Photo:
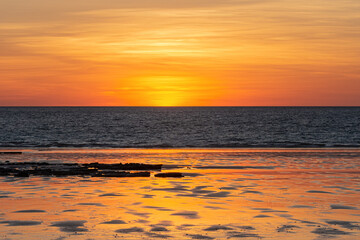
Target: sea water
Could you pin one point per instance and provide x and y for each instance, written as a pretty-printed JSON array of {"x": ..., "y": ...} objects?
[{"x": 182, "y": 127}]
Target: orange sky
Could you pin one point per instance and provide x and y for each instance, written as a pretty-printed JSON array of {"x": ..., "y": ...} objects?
[{"x": 179, "y": 53}]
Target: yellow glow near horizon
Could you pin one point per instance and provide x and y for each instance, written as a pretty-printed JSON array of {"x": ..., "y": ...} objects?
[
  {"x": 167, "y": 99},
  {"x": 166, "y": 90},
  {"x": 160, "y": 90}
]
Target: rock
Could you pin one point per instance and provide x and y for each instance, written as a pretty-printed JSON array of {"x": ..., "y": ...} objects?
[
  {"x": 10, "y": 152},
  {"x": 122, "y": 174},
  {"x": 126, "y": 166},
  {"x": 25, "y": 169},
  {"x": 170, "y": 174},
  {"x": 22, "y": 174},
  {"x": 4, "y": 172}
]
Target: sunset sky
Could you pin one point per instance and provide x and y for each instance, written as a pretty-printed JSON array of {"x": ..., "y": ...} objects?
[{"x": 179, "y": 53}]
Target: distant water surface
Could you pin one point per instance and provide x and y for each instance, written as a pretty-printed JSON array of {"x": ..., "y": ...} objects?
[{"x": 180, "y": 127}]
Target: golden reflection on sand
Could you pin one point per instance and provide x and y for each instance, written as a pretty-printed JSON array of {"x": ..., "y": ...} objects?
[{"x": 227, "y": 193}]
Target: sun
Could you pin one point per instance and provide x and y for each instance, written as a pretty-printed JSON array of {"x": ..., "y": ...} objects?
[
  {"x": 164, "y": 91},
  {"x": 167, "y": 90},
  {"x": 167, "y": 99}
]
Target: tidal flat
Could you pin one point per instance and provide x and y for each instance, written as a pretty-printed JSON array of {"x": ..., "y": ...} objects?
[{"x": 224, "y": 194}]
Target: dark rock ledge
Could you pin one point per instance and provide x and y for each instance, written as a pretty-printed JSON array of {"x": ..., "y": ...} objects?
[{"x": 26, "y": 169}]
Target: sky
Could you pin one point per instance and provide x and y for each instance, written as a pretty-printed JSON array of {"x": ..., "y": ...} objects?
[{"x": 180, "y": 53}]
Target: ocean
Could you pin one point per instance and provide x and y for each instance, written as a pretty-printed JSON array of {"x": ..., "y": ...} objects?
[{"x": 179, "y": 127}]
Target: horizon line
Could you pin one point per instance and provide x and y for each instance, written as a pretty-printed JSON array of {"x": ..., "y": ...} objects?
[{"x": 94, "y": 106}]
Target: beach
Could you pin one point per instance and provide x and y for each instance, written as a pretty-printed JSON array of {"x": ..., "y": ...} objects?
[{"x": 224, "y": 194}]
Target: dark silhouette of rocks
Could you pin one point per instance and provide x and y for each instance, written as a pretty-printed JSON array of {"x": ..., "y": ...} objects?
[
  {"x": 126, "y": 166},
  {"x": 170, "y": 174},
  {"x": 26, "y": 169},
  {"x": 22, "y": 174},
  {"x": 123, "y": 174},
  {"x": 10, "y": 152}
]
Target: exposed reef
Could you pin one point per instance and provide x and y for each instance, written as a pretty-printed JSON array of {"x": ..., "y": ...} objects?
[
  {"x": 10, "y": 152},
  {"x": 170, "y": 174},
  {"x": 26, "y": 169}
]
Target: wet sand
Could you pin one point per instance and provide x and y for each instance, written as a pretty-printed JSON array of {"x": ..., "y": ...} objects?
[{"x": 225, "y": 194}]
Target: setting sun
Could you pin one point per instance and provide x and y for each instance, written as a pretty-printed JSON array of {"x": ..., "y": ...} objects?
[{"x": 165, "y": 90}]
